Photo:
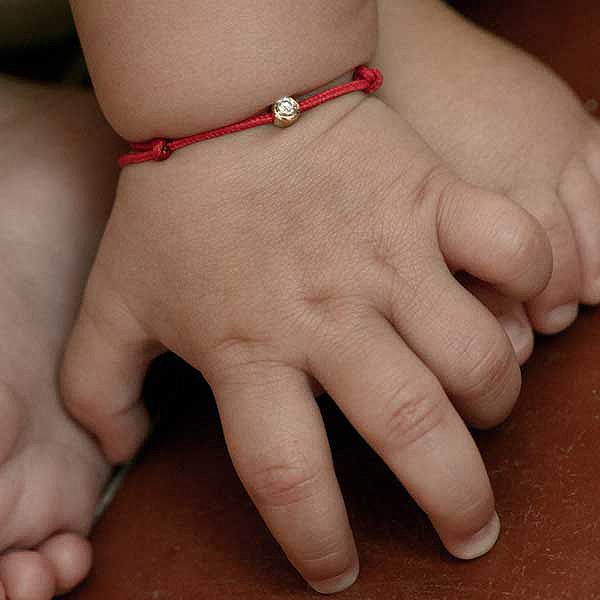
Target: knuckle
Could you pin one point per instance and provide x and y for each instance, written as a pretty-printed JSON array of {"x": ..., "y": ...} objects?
[
  {"x": 325, "y": 561},
  {"x": 526, "y": 254},
  {"x": 283, "y": 484},
  {"x": 412, "y": 411},
  {"x": 486, "y": 366},
  {"x": 328, "y": 311},
  {"x": 436, "y": 186},
  {"x": 237, "y": 359},
  {"x": 327, "y": 336},
  {"x": 476, "y": 508},
  {"x": 523, "y": 244},
  {"x": 470, "y": 512}
]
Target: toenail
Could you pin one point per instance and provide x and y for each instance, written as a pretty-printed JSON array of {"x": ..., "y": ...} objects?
[
  {"x": 480, "y": 543},
  {"x": 560, "y": 318},
  {"x": 517, "y": 334}
]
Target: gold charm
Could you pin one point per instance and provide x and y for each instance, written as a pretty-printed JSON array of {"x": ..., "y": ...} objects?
[{"x": 286, "y": 111}]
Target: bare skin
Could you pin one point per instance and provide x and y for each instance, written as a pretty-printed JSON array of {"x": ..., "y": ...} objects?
[
  {"x": 175, "y": 67},
  {"x": 272, "y": 260},
  {"x": 55, "y": 194},
  {"x": 505, "y": 122},
  {"x": 250, "y": 363},
  {"x": 263, "y": 275},
  {"x": 53, "y": 208}
]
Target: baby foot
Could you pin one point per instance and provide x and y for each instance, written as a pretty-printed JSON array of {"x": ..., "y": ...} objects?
[
  {"x": 54, "y": 200},
  {"x": 505, "y": 122}
]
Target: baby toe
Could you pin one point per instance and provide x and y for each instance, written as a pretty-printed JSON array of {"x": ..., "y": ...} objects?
[
  {"x": 70, "y": 556},
  {"x": 555, "y": 308},
  {"x": 579, "y": 191},
  {"x": 27, "y": 575},
  {"x": 510, "y": 314}
]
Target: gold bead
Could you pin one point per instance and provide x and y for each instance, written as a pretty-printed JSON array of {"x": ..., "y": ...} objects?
[{"x": 286, "y": 111}]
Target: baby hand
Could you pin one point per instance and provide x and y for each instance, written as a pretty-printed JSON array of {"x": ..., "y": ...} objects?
[{"x": 270, "y": 258}]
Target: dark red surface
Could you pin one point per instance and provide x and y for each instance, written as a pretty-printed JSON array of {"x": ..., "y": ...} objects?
[{"x": 182, "y": 527}]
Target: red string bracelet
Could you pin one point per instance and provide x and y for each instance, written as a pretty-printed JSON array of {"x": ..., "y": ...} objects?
[{"x": 284, "y": 112}]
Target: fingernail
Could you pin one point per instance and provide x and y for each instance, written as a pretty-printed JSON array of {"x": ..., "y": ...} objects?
[
  {"x": 560, "y": 318},
  {"x": 517, "y": 334},
  {"x": 480, "y": 543},
  {"x": 337, "y": 584}
]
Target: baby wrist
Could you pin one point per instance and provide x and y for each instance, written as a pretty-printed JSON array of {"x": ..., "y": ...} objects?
[{"x": 220, "y": 72}]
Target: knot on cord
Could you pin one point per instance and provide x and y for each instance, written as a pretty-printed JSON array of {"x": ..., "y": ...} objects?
[
  {"x": 372, "y": 76},
  {"x": 160, "y": 150}
]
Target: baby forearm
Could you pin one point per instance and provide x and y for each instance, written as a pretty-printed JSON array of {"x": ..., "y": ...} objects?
[{"x": 175, "y": 67}]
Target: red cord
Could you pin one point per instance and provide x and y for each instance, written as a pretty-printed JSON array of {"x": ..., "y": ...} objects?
[{"x": 365, "y": 80}]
